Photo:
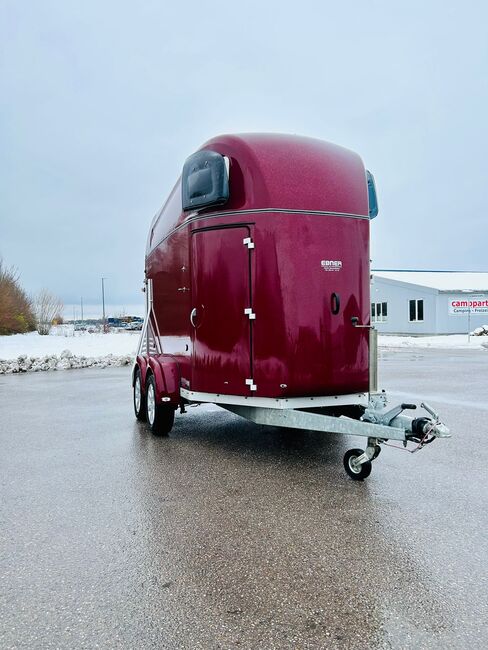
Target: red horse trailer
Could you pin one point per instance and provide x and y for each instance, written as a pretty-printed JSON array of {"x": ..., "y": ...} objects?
[{"x": 257, "y": 285}]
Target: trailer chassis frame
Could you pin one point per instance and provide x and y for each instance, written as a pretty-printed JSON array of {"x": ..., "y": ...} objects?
[{"x": 378, "y": 424}]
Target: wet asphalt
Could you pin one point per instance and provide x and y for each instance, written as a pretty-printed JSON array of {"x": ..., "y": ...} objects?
[{"x": 233, "y": 535}]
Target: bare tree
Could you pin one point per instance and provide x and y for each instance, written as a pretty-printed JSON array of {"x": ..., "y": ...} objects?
[{"x": 46, "y": 306}]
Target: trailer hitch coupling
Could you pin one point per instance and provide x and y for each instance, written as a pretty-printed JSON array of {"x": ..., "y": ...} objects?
[
  {"x": 439, "y": 430},
  {"x": 378, "y": 413}
]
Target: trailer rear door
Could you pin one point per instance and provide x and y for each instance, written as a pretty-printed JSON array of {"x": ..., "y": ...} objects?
[
  {"x": 312, "y": 292},
  {"x": 221, "y": 294}
]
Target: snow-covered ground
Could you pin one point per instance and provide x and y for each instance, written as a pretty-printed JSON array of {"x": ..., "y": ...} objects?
[
  {"x": 448, "y": 341},
  {"x": 58, "y": 352},
  {"x": 83, "y": 344},
  {"x": 32, "y": 352}
]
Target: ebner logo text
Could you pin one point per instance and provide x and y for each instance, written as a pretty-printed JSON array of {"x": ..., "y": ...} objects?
[{"x": 331, "y": 265}]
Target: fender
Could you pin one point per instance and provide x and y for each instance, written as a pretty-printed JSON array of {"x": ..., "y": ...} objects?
[
  {"x": 141, "y": 363},
  {"x": 167, "y": 376}
]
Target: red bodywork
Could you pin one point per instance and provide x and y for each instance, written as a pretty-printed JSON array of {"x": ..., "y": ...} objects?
[{"x": 304, "y": 205}]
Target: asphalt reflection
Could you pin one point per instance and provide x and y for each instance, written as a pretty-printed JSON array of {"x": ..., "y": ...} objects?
[{"x": 229, "y": 534}]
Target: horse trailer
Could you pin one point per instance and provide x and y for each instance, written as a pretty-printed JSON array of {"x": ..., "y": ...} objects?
[{"x": 257, "y": 282}]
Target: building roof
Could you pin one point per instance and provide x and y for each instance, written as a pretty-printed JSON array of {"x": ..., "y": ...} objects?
[{"x": 440, "y": 280}]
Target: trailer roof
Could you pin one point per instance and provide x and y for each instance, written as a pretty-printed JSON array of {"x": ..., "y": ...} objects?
[{"x": 292, "y": 172}]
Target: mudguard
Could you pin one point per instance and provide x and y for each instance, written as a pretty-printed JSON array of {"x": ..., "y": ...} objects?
[
  {"x": 141, "y": 363},
  {"x": 167, "y": 376}
]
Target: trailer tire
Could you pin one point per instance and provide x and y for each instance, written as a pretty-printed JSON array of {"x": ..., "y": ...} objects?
[
  {"x": 160, "y": 417},
  {"x": 139, "y": 399},
  {"x": 360, "y": 473}
]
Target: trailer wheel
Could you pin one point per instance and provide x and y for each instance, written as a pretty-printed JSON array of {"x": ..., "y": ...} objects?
[
  {"x": 357, "y": 473},
  {"x": 160, "y": 417},
  {"x": 139, "y": 397}
]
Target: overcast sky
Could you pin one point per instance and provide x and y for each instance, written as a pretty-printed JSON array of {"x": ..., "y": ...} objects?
[{"x": 102, "y": 101}]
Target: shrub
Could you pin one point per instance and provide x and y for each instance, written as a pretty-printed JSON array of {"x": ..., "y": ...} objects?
[{"x": 16, "y": 313}]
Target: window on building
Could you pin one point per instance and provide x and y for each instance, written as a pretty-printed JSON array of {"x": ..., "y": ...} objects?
[
  {"x": 416, "y": 310},
  {"x": 379, "y": 312}
]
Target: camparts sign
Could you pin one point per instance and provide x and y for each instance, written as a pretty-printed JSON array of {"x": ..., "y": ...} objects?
[{"x": 464, "y": 305}]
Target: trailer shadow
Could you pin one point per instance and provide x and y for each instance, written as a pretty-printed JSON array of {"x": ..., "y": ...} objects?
[{"x": 223, "y": 430}]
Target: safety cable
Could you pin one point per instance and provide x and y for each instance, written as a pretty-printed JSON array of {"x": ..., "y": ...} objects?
[{"x": 422, "y": 442}]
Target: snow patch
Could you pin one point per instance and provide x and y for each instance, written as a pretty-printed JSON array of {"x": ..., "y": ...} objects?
[
  {"x": 79, "y": 343},
  {"x": 480, "y": 331},
  {"x": 65, "y": 361},
  {"x": 447, "y": 342},
  {"x": 33, "y": 353}
]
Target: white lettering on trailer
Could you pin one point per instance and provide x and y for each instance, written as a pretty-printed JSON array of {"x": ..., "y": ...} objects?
[{"x": 331, "y": 265}]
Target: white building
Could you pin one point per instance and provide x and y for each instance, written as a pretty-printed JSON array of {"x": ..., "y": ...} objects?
[{"x": 428, "y": 302}]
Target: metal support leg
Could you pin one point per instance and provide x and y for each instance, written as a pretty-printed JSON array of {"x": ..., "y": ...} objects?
[{"x": 370, "y": 453}]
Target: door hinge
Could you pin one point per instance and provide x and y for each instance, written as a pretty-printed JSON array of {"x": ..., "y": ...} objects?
[
  {"x": 251, "y": 384},
  {"x": 248, "y": 242},
  {"x": 249, "y": 312}
]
